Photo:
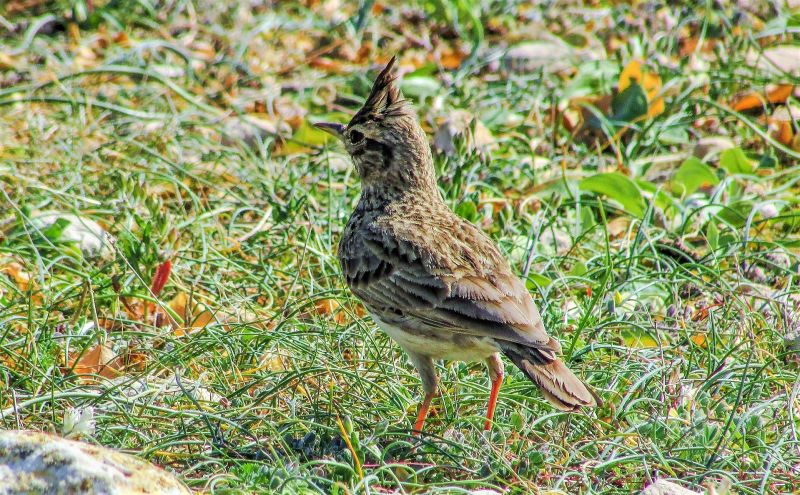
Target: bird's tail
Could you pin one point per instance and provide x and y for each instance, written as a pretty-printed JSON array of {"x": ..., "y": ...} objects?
[{"x": 558, "y": 384}]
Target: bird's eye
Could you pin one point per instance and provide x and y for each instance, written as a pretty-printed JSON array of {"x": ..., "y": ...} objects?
[{"x": 356, "y": 137}]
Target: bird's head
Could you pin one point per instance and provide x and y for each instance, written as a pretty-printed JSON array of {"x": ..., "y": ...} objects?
[{"x": 385, "y": 140}]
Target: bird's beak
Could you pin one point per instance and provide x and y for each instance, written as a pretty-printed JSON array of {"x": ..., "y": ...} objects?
[{"x": 332, "y": 128}]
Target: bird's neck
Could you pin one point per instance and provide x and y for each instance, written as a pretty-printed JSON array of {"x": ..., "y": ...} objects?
[
  {"x": 382, "y": 196},
  {"x": 409, "y": 177}
]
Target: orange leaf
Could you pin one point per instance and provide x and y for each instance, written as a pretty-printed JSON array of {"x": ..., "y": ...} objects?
[
  {"x": 195, "y": 316},
  {"x": 99, "y": 360},
  {"x": 632, "y": 72},
  {"x": 780, "y": 94},
  {"x": 784, "y": 133},
  {"x": 750, "y": 101},
  {"x": 326, "y": 64},
  {"x": 451, "y": 59},
  {"x": 651, "y": 83},
  {"x": 330, "y": 307},
  {"x": 699, "y": 339},
  {"x": 754, "y": 100},
  {"x": 18, "y": 275}
]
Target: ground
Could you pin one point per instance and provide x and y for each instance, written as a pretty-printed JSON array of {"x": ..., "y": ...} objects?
[{"x": 638, "y": 165}]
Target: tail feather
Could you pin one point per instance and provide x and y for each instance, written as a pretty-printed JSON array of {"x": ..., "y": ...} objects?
[{"x": 558, "y": 384}]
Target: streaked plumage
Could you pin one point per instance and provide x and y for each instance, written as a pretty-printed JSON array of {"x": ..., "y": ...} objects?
[{"x": 433, "y": 281}]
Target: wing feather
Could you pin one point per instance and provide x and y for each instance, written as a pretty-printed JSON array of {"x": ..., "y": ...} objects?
[{"x": 394, "y": 276}]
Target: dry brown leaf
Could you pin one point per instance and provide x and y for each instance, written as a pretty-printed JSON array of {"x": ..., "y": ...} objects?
[
  {"x": 631, "y": 72},
  {"x": 330, "y": 308},
  {"x": 326, "y": 64},
  {"x": 618, "y": 226},
  {"x": 18, "y": 274},
  {"x": 755, "y": 101},
  {"x": 451, "y": 59},
  {"x": 99, "y": 360},
  {"x": 195, "y": 316}
]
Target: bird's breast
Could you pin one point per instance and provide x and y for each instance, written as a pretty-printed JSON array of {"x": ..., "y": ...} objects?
[{"x": 440, "y": 344}]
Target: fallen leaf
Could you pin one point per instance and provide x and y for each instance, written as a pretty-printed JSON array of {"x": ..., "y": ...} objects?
[
  {"x": 754, "y": 100},
  {"x": 699, "y": 339},
  {"x": 195, "y": 316},
  {"x": 618, "y": 226},
  {"x": 451, "y": 59},
  {"x": 784, "y": 134},
  {"x": 330, "y": 308},
  {"x": 638, "y": 339},
  {"x": 99, "y": 360},
  {"x": 652, "y": 87},
  {"x": 631, "y": 73},
  {"x": 18, "y": 274}
]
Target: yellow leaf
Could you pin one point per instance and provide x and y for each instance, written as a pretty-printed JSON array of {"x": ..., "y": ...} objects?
[
  {"x": 195, "y": 316},
  {"x": 638, "y": 339},
  {"x": 651, "y": 83},
  {"x": 632, "y": 71},
  {"x": 99, "y": 360},
  {"x": 699, "y": 339},
  {"x": 330, "y": 307},
  {"x": 18, "y": 275}
]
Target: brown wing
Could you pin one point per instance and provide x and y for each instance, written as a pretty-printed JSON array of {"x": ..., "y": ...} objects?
[{"x": 456, "y": 293}]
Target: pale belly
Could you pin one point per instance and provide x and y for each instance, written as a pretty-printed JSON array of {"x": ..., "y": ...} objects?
[{"x": 449, "y": 346}]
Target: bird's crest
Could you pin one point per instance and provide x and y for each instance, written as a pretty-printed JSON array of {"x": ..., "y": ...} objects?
[{"x": 384, "y": 99}]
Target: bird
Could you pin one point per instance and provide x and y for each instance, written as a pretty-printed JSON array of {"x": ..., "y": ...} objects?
[{"x": 434, "y": 282}]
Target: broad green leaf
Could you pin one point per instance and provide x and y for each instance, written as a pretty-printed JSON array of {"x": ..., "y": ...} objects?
[
  {"x": 617, "y": 187},
  {"x": 578, "y": 269},
  {"x": 735, "y": 214},
  {"x": 660, "y": 198},
  {"x": 691, "y": 176},
  {"x": 637, "y": 338},
  {"x": 593, "y": 78},
  {"x": 537, "y": 279},
  {"x": 54, "y": 230},
  {"x": 712, "y": 235},
  {"x": 419, "y": 86},
  {"x": 467, "y": 210},
  {"x": 630, "y": 104},
  {"x": 736, "y": 162}
]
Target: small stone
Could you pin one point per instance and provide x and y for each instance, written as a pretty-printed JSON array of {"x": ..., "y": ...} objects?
[
  {"x": 35, "y": 462},
  {"x": 663, "y": 487},
  {"x": 88, "y": 235}
]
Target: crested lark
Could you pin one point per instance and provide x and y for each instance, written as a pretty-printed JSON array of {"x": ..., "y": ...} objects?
[{"x": 431, "y": 280}]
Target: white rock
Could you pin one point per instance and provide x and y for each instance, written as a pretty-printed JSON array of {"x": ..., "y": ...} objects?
[
  {"x": 87, "y": 234},
  {"x": 35, "y": 462},
  {"x": 663, "y": 487}
]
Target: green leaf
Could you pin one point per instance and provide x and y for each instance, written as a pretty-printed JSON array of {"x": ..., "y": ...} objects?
[
  {"x": 736, "y": 162},
  {"x": 593, "y": 78},
  {"x": 419, "y": 86},
  {"x": 578, "y": 270},
  {"x": 617, "y": 187},
  {"x": 637, "y": 338},
  {"x": 735, "y": 214},
  {"x": 54, "y": 230},
  {"x": 537, "y": 280},
  {"x": 712, "y": 235},
  {"x": 691, "y": 176},
  {"x": 630, "y": 104},
  {"x": 467, "y": 210}
]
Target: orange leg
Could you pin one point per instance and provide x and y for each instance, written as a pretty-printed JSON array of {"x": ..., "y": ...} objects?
[
  {"x": 495, "y": 365},
  {"x": 423, "y": 413},
  {"x": 492, "y": 402}
]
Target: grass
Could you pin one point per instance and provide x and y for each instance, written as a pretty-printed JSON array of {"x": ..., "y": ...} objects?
[{"x": 682, "y": 317}]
